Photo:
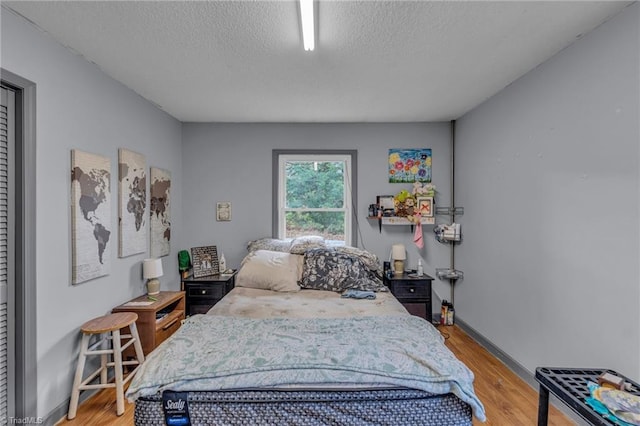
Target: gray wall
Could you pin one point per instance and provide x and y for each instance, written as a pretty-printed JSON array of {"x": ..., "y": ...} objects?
[
  {"x": 79, "y": 107},
  {"x": 232, "y": 162},
  {"x": 548, "y": 171}
]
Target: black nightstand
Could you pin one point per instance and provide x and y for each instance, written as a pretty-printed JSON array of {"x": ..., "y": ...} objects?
[
  {"x": 413, "y": 292},
  {"x": 204, "y": 292}
]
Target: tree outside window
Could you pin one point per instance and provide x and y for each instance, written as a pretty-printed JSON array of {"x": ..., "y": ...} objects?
[{"x": 315, "y": 197}]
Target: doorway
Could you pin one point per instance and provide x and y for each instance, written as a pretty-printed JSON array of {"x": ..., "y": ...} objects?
[{"x": 18, "y": 362}]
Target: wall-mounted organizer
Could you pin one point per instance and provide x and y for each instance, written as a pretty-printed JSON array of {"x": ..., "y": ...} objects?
[
  {"x": 451, "y": 211},
  {"x": 449, "y": 274},
  {"x": 449, "y": 234}
]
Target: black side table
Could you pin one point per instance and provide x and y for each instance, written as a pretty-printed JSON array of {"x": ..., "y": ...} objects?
[
  {"x": 569, "y": 385},
  {"x": 413, "y": 292},
  {"x": 204, "y": 292}
]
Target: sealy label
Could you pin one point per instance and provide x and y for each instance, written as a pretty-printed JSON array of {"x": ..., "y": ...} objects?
[
  {"x": 175, "y": 405},
  {"x": 176, "y": 408}
]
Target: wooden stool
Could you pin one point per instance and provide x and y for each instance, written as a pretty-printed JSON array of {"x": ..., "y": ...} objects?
[{"x": 108, "y": 327}]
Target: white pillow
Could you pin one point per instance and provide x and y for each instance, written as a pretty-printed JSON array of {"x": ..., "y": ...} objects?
[{"x": 271, "y": 270}]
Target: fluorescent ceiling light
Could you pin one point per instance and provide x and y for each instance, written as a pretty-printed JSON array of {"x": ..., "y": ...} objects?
[{"x": 308, "y": 30}]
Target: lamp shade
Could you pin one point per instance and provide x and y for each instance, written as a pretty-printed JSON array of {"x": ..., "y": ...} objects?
[
  {"x": 151, "y": 268},
  {"x": 398, "y": 252}
]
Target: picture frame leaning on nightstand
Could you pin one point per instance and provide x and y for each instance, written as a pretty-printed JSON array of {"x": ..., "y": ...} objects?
[{"x": 205, "y": 261}]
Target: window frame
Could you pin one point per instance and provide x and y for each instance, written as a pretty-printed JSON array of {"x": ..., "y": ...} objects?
[{"x": 350, "y": 156}]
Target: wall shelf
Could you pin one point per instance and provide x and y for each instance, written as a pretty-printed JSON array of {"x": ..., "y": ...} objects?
[
  {"x": 443, "y": 241},
  {"x": 394, "y": 220},
  {"x": 397, "y": 220}
]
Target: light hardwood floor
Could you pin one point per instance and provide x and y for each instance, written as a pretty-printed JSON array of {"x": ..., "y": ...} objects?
[{"x": 507, "y": 399}]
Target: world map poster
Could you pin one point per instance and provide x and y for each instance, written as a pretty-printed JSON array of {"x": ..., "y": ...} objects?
[
  {"x": 160, "y": 224},
  {"x": 90, "y": 216},
  {"x": 132, "y": 206}
]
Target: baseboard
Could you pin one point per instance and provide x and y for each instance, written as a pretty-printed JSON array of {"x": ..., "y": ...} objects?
[
  {"x": 60, "y": 412},
  {"x": 517, "y": 368}
]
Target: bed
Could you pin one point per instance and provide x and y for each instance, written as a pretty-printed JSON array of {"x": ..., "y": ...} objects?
[{"x": 278, "y": 350}]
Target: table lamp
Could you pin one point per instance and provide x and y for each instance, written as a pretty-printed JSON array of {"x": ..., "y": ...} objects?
[
  {"x": 398, "y": 254},
  {"x": 151, "y": 270}
]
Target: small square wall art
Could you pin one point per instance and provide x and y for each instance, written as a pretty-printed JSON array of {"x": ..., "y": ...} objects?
[{"x": 409, "y": 165}]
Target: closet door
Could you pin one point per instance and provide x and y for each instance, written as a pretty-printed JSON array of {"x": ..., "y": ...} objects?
[{"x": 7, "y": 136}]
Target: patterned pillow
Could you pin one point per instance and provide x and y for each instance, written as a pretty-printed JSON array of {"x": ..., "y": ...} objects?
[
  {"x": 329, "y": 269},
  {"x": 370, "y": 260},
  {"x": 301, "y": 244},
  {"x": 270, "y": 244}
]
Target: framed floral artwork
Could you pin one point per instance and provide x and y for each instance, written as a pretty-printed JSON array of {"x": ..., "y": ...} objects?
[
  {"x": 425, "y": 206},
  {"x": 409, "y": 165}
]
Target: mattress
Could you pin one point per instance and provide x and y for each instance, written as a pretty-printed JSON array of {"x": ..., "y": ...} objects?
[
  {"x": 404, "y": 407},
  {"x": 372, "y": 354},
  {"x": 256, "y": 303}
]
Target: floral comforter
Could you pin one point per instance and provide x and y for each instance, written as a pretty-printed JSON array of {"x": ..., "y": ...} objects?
[{"x": 212, "y": 352}]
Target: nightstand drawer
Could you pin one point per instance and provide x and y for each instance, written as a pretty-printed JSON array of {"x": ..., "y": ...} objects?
[
  {"x": 410, "y": 290},
  {"x": 167, "y": 330},
  {"x": 214, "y": 291}
]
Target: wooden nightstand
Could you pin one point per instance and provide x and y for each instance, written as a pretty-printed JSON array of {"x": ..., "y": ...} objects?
[
  {"x": 413, "y": 292},
  {"x": 156, "y": 320},
  {"x": 204, "y": 292}
]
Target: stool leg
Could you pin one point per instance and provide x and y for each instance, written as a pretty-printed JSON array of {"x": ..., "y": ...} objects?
[
  {"x": 103, "y": 360},
  {"x": 136, "y": 343},
  {"x": 117, "y": 360},
  {"x": 75, "y": 391}
]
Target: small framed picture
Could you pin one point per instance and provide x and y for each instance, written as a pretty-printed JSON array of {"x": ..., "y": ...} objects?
[
  {"x": 223, "y": 211},
  {"x": 385, "y": 202},
  {"x": 425, "y": 206},
  {"x": 205, "y": 261}
]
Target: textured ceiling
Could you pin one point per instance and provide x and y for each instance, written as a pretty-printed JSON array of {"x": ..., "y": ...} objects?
[{"x": 375, "y": 61}]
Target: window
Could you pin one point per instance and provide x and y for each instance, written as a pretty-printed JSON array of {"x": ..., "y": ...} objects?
[{"x": 315, "y": 196}]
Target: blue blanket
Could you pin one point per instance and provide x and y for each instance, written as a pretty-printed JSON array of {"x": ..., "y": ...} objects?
[
  {"x": 358, "y": 294},
  {"x": 212, "y": 352}
]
